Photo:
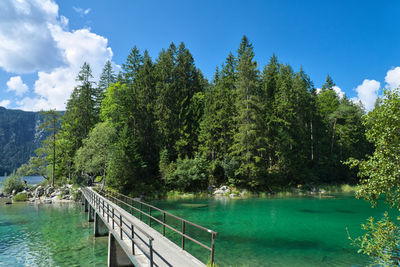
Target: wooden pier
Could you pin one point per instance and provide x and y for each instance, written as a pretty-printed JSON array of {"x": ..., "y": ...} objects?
[{"x": 133, "y": 242}]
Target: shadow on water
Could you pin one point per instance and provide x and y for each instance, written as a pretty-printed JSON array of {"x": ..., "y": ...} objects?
[
  {"x": 327, "y": 211},
  {"x": 313, "y": 211},
  {"x": 277, "y": 242},
  {"x": 346, "y": 211}
]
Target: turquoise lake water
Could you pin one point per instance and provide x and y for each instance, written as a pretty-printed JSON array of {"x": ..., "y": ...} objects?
[
  {"x": 32, "y": 180},
  {"x": 296, "y": 231}
]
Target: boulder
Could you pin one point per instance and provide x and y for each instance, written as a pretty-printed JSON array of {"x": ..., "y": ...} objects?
[
  {"x": 49, "y": 191},
  {"x": 222, "y": 190},
  {"x": 47, "y": 201},
  {"x": 14, "y": 192},
  {"x": 39, "y": 191}
]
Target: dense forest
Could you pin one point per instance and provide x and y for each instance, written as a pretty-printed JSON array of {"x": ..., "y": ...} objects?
[{"x": 160, "y": 125}]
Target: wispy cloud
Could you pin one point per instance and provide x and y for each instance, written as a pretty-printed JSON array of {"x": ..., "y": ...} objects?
[{"x": 81, "y": 11}]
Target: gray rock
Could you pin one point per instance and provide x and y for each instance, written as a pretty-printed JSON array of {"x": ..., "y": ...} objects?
[
  {"x": 49, "y": 191},
  {"x": 232, "y": 195},
  {"x": 65, "y": 196},
  {"x": 47, "y": 201},
  {"x": 13, "y": 192},
  {"x": 39, "y": 191}
]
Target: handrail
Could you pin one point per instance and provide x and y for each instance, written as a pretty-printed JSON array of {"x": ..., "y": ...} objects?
[
  {"x": 120, "y": 202},
  {"x": 102, "y": 205}
]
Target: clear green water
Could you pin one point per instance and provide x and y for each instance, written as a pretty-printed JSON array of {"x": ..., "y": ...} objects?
[
  {"x": 252, "y": 232},
  {"x": 306, "y": 231},
  {"x": 48, "y": 235}
]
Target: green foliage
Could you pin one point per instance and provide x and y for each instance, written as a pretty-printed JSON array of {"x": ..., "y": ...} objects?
[
  {"x": 160, "y": 125},
  {"x": 380, "y": 173},
  {"x": 94, "y": 156},
  {"x": 20, "y": 197},
  {"x": 190, "y": 175},
  {"x": 380, "y": 177},
  {"x": 11, "y": 183},
  {"x": 380, "y": 242}
]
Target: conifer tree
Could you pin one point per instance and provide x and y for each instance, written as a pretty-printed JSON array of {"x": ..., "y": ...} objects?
[
  {"x": 107, "y": 78},
  {"x": 245, "y": 148}
]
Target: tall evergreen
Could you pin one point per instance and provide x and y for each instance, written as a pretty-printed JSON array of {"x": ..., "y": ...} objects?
[
  {"x": 107, "y": 78},
  {"x": 245, "y": 148},
  {"x": 80, "y": 115}
]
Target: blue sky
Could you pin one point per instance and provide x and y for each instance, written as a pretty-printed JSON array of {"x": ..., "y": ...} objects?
[{"x": 43, "y": 42}]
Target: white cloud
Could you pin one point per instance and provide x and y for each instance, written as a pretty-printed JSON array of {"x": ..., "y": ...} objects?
[
  {"x": 392, "y": 78},
  {"x": 5, "y": 103},
  {"x": 35, "y": 38},
  {"x": 78, "y": 46},
  {"x": 26, "y": 44},
  {"x": 337, "y": 90},
  {"x": 367, "y": 93},
  {"x": 81, "y": 11},
  {"x": 16, "y": 85},
  {"x": 36, "y": 103}
]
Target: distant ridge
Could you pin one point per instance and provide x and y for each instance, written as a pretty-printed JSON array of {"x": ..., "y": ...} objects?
[{"x": 19, "y": 137}]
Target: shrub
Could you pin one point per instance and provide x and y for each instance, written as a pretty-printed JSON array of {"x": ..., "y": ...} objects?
[
  {"x": 12, "y": 182},
  {"x": 20, "y": 197},
  {"x": 190, "y": 174}
]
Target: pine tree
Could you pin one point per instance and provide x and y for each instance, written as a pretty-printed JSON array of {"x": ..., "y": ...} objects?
[
  {"x": 245, "y": 148},
  {"x": 107, "y": 78},
  {"x": 80, "y": 115},
  {"x": 217, "y": 126}
]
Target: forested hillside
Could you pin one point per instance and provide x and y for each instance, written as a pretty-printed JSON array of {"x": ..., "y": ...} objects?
[
  {"x": 160, "y": 125},
  {"x": 20, "y": 136}
]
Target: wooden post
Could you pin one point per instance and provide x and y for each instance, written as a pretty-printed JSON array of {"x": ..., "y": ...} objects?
[
  {"x": 183, "y": 235},
  {"x": 149, "y": 216},
  {"x": 163, "y": 227}
]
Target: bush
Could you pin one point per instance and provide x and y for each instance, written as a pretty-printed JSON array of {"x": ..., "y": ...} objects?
[
  {"x": 20, "y": 197},
  {"x": 13, "y": 182},
  {"x": 190, "y": 175}
]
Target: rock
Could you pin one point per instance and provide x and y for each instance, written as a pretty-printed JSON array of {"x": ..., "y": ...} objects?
[
  {"x": 1, "y": 194},
  {"x": 65, "y": 191},
  {"x": 13, "y": 192},
  {"x": 232, "y": 195},
  {"x": 47, "y": 201},
  {"x": 32, "y": 199},
  {"x": 222, "y": 190},
  {"x": 39, "y": 191},
  {"x": 65, "y": 196},
  {"x": 49, "y": 191}
]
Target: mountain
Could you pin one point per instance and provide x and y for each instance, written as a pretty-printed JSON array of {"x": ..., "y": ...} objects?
[{"x": 19, "y": 137}]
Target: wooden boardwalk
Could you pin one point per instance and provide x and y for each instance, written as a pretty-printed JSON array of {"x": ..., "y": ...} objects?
[{"x": 141, "y": 244}]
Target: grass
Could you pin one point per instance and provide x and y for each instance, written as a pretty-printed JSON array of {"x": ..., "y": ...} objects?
[{"x": 20, "y": 197}]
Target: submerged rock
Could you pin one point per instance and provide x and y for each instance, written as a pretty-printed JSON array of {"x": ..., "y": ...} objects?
[{"x": 47, "y": 201}]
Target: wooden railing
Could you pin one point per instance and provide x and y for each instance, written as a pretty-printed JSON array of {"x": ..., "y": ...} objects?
[
  {"x": 128, "y": 204},
  {"x": 127, "y": 229}
]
